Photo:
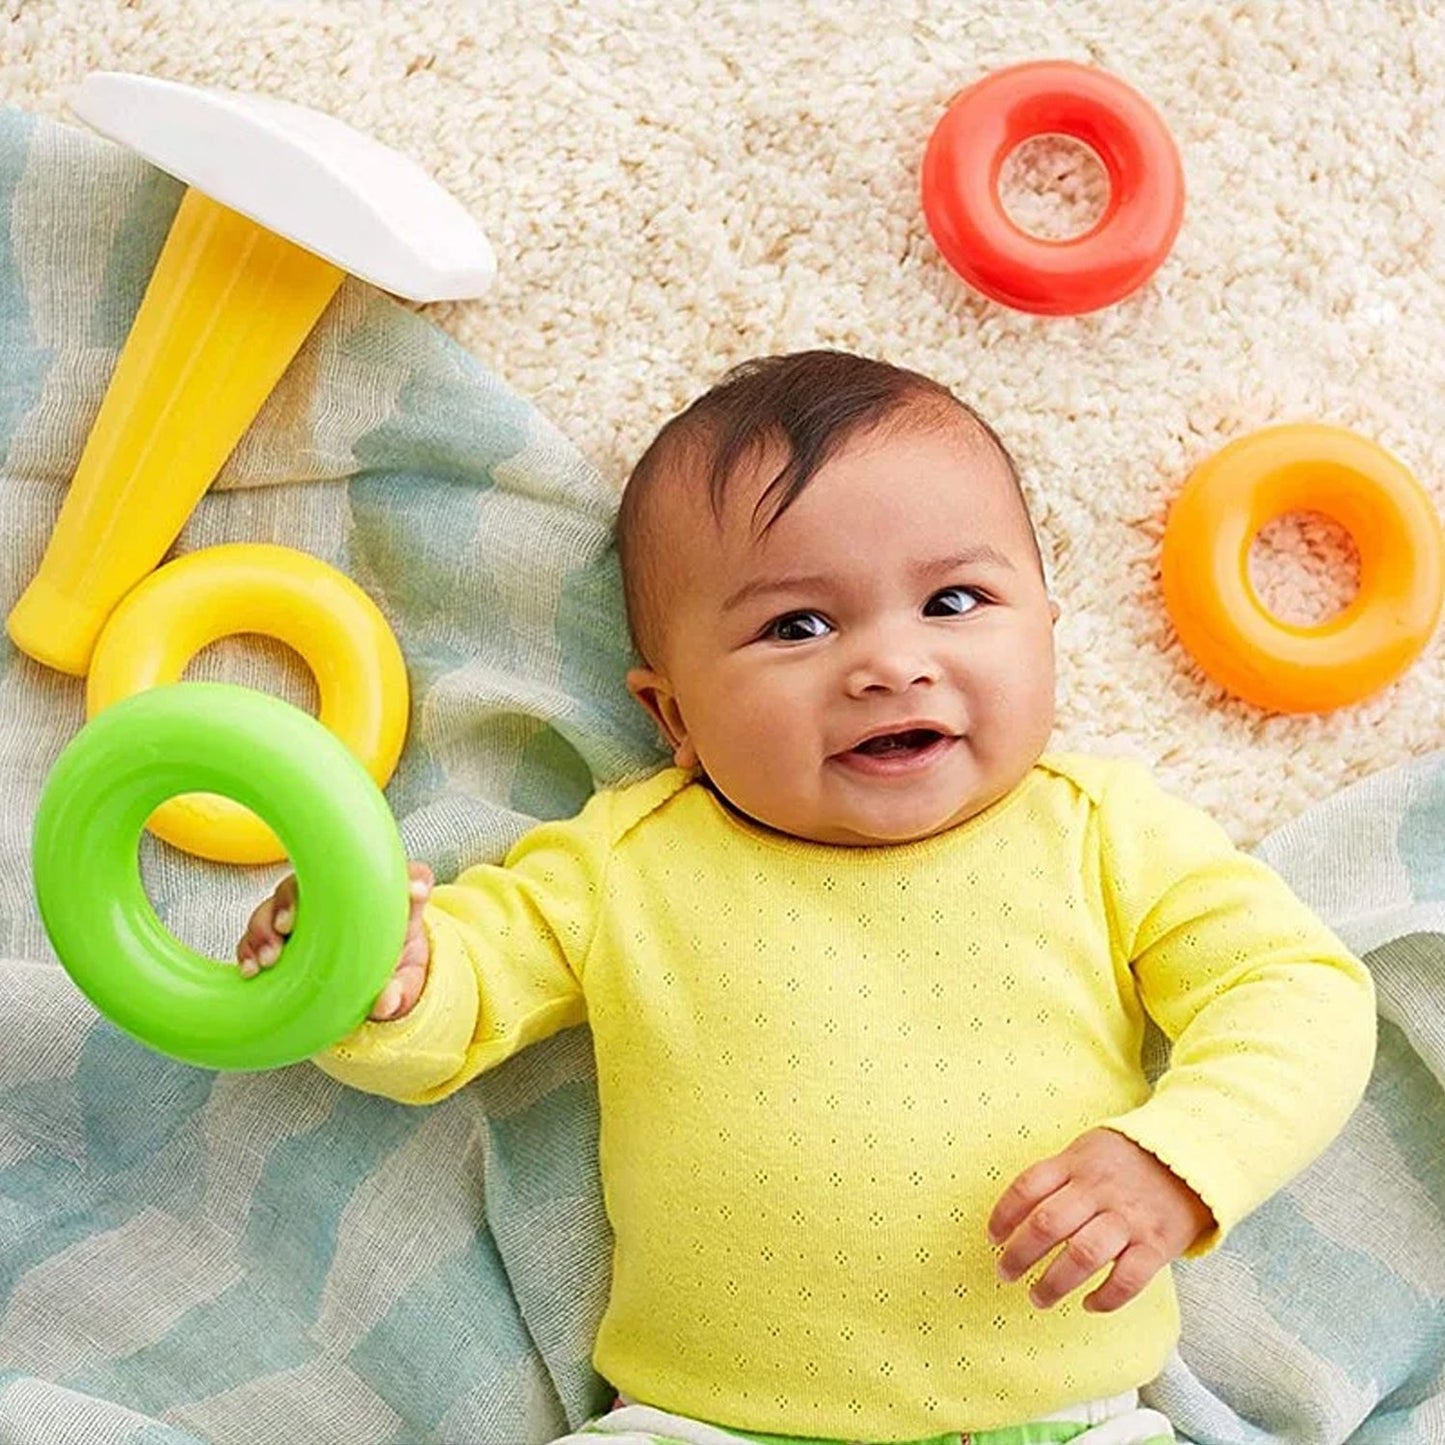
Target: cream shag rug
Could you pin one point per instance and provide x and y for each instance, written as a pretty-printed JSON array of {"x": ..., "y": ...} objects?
[{"x": 672, "y": 187}]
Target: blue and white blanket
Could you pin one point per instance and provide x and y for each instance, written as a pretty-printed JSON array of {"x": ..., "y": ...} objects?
[{"x": 245, "y": 1260}]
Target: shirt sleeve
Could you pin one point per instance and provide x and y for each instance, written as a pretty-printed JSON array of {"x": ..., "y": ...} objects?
[
  {"x": 1271, "y": 1019},
  {"x": 508, "y": 951}
]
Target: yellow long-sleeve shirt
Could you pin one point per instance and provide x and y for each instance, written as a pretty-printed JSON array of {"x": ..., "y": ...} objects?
[{"x": 819, "y": 1066}]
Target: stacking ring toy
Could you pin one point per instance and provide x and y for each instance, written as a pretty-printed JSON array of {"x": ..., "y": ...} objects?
[
  {"x": 256, "y": 587},
  {"x": 1219, "y": 618},
  {"x": 352, "y": 906},
  {"x": 985, "y": 123}
]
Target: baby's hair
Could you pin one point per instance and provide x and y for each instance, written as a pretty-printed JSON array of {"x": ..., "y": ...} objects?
[{"x": 813, "y": 403}]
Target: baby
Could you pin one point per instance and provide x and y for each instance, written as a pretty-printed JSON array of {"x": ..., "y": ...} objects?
[{"x": 867, "y": 970}]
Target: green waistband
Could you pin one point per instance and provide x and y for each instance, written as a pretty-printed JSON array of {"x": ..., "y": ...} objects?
[{"x": 1052, "y": 1432}]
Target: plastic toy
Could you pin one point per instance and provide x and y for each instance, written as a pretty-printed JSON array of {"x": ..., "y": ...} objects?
[
  {"x": 352, "y": 913},
  {"x": 1237, "y": 492},
  {"x": 965, "y": 156},
  {"x": 282, "y": 203},
  {"x": 279, "y": 592}
]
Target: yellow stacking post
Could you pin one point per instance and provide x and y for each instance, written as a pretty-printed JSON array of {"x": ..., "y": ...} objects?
[{"x": 227, "y": 308}]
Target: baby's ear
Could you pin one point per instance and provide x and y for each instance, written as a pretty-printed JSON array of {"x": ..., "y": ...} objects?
[
  {"x": 1053, "y": 609},
  {"x": 655, "y": 693}
]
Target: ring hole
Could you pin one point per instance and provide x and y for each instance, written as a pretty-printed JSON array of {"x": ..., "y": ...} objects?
[
  {"x": 1305, "y": 568},
  {"x": 1054, "y": 187},
  {"x": 257, "y": 661},
  {"x": 205, "y": 905}
]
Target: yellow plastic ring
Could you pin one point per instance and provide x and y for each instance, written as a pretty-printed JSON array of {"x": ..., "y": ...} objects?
[
  {"x": 279, "y": 592},
  {"x": 1219, "y": 618}
]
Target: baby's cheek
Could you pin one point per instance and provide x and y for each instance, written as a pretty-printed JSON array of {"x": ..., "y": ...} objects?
[
  {"x": 755, "y": 773},
  {"x": 1026, "y": 701},
  {"x": 762, "y": 767}
]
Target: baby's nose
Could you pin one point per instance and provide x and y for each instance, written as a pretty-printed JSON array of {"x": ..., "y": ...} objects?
[{"x": 888, "y": 670}]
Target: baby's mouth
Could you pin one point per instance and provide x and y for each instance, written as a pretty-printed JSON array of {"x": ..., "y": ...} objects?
[
  {"x": 910, "y": 740},
  {"x": 898, "y": 754}
]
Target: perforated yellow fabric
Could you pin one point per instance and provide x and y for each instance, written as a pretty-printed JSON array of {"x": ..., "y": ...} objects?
[{"x": 819, "y": 1067}]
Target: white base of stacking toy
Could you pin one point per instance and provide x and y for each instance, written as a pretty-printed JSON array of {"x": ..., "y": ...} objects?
[{"x": 304, "y": 175}]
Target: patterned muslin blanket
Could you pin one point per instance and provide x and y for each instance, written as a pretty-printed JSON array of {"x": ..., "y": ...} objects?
[{"x": 252, "y": 1259}]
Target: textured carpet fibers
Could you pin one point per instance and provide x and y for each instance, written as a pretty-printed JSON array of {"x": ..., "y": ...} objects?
[{"x": 672, "y": 188}]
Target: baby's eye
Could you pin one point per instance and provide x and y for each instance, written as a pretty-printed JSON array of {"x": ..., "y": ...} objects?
[
  {"x": 953, "y": 602},
  {"x": 796, "y": 627}
]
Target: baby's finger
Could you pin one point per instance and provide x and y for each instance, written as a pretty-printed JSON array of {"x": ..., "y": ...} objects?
[
  {"x": 260, "y": 945},
  {"x": 408, "y": 979},
  {"x": 1105, "y": 1237},
  {"x": 1134, "y": 1268},
  {"x": 418, "y": 890},
  {"x": 1018, "y": 1200},
  {"x": 399, "y": 996},
  {"x": 1062, "y": 1215},
  {"x": 388, "y": 1001},
  {"x": 285, "y": 900}
]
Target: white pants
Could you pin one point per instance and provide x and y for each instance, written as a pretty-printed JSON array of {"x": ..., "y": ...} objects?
[{"x": 1116, "y": 1421}]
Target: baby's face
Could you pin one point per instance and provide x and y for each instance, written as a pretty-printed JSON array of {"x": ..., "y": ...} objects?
[{"x": 879, "y": 665}]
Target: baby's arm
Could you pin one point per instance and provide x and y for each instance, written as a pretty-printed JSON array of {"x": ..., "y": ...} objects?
[
  {"x": 493, "y": 963},
  {"x": 1273, "y": 1028},
  {"x": 1271, "y": 1018}
]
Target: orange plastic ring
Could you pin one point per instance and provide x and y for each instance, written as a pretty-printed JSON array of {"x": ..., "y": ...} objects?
[
  {"x": 965, "y": 157},
  {"x": 1357, "y": 484}
]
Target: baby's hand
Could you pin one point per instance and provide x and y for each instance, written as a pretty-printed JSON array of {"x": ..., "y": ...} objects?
[
  {"x": 270, "y": 925},
  {"x": 1105, "y": 1200}
]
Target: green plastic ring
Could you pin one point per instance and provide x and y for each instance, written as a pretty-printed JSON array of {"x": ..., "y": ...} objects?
[{"x": 337, "y": 830}]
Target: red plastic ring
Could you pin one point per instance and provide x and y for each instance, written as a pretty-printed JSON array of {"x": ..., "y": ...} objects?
[{"x": 984, "y": 124}]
